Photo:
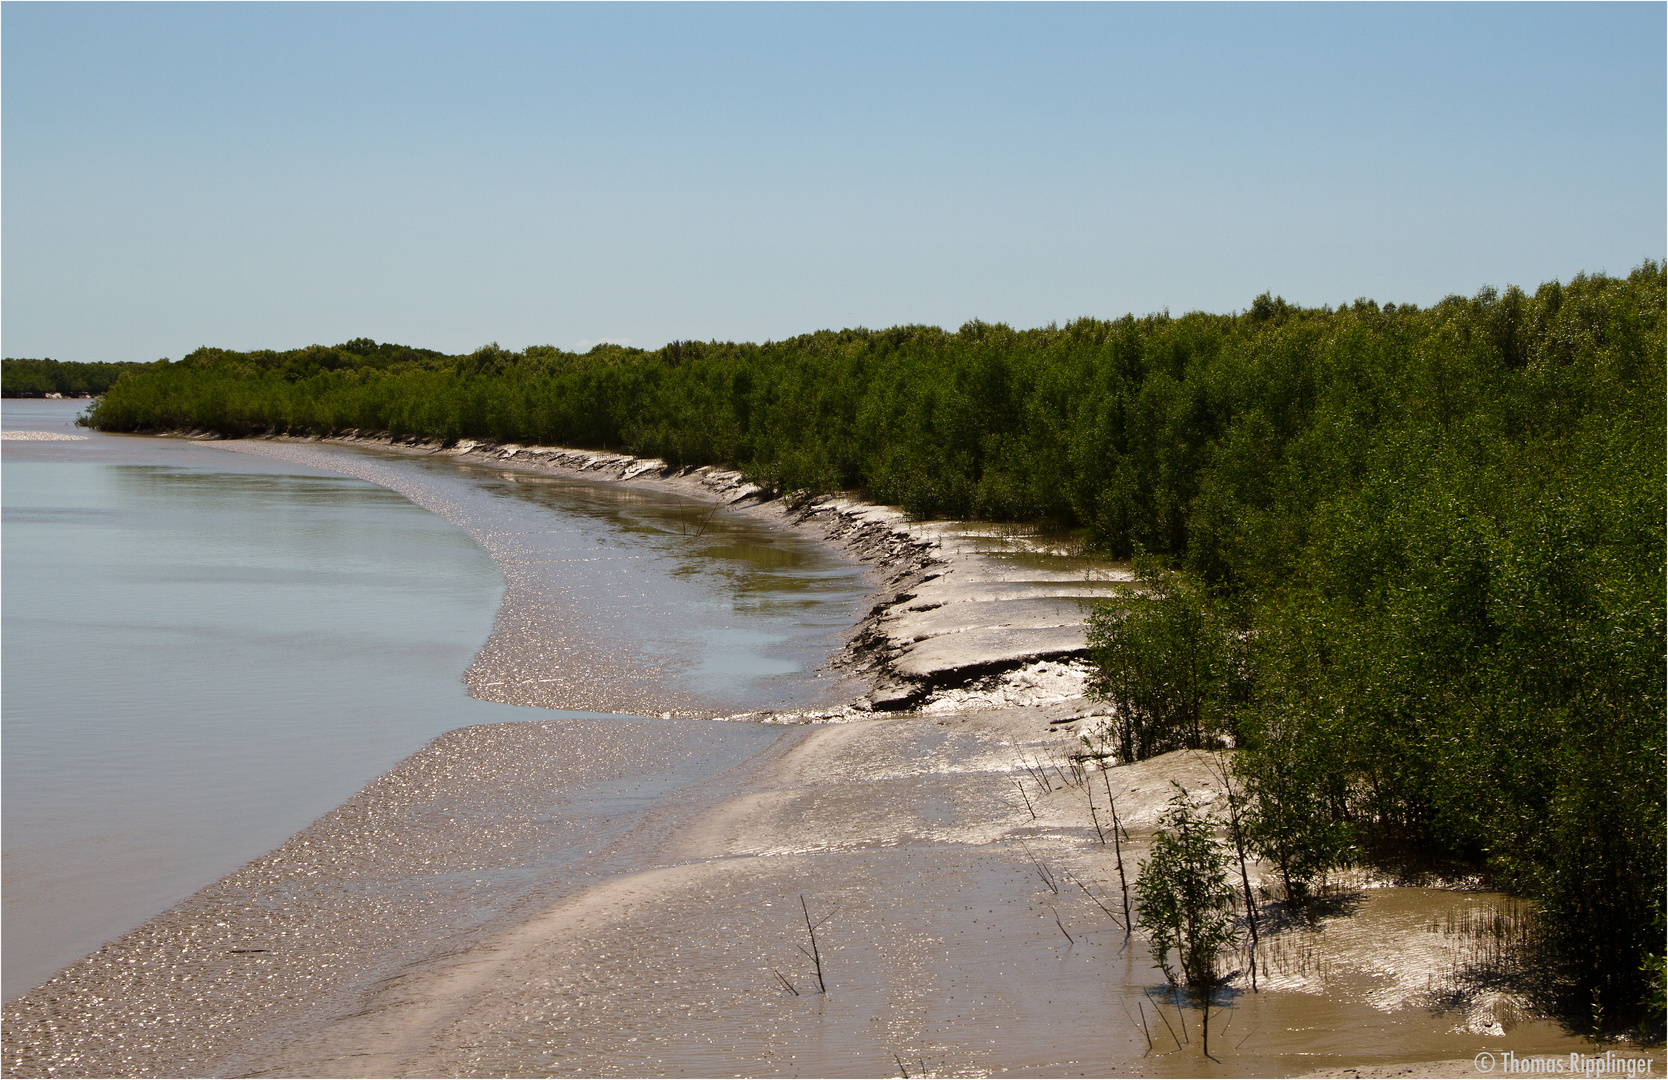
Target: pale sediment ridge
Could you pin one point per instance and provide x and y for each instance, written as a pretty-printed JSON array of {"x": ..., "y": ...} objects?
[{"x": 624, "y": 897}]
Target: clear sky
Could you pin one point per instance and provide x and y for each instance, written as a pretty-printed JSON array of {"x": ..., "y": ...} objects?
[{"x": 445, "y": 175}]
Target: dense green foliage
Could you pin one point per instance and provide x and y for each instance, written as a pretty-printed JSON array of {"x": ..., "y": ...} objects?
[
  {"x": 1165, "y": 659},
  {"x": 1466, "y": 647},
  {"x": 1433, "y": 537},
  {"x": 38, "y": 378}
]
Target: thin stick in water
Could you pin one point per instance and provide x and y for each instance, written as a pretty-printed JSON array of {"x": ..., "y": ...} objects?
[
  {"x": 1144, "y": 1031},
  {"x": 1026, "y": 797},
  {"x": 1070, "y": 877},
  {"x": 815, "y": 954},
  {"x": 1160, "y": 1011},
  {"x": 1118, "y": 847},
  {"x": 1042, "y": 871}
]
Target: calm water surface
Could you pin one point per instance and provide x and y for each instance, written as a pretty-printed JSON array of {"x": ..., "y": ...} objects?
[
  {"x": 627, "y": 598},
  {"x": 204, "y": 650}
]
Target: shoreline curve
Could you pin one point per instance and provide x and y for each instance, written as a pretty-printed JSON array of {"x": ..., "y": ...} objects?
[{"x": 956, "y": 606}]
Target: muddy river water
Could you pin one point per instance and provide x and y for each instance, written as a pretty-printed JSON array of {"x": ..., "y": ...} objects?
[
  {"x": 628, "y": 896},
  {"x": 204, "y": 650}
]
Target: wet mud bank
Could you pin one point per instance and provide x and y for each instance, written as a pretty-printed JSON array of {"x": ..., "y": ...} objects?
[
  {"x": 629, "y": 897},
  {"x": 480, "y": 823},
  {"x": 960, "y": 611},
  {"x": 476, "y": 913}
]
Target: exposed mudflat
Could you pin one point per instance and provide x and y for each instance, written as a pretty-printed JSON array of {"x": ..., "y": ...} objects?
[
  {"x": 474, "y": 913},
  {"x": 624, "y": 898},
  {"x": 481, "y": 821}
]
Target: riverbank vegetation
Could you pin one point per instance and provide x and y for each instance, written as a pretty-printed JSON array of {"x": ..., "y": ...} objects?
[
  {"x": 1418, "y": 552},
  {"x": 37, "y": 378}
]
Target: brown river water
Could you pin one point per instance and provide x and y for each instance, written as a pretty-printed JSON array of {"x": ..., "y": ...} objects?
[{"x": 564, "y": 897}]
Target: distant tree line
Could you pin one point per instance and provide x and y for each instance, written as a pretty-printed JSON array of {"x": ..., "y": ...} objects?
[
  {"x": 1414, "y": 556},
  {"x": 38, "y": 378}
]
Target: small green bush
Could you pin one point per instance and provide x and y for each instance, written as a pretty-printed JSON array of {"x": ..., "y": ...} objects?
[
  {"x": 1187, "y": 902},
  {"x": 1164, "y": 660}
]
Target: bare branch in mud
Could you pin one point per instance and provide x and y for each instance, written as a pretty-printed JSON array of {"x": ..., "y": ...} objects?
[
  {"x": 701, "y": 522},
  {"x": 1147, "y": 1034},
  {"x": 1159, "y": 1009},
  {"x": 1118, "y": 846},
  {"x": 1042, "y": 871},
  {"x": 785, "y": 983},
  {"x": 1094, "y": 817},
  {"x": 1096, "y": 899},
  {"x": 814, "y": 954},
  {"x": 1062, "y": 927},
  {"x": 1037, "y": 773},
  {"x": 1027, "y": 799}
]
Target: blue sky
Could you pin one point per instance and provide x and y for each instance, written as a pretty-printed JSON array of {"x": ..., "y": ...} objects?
[{"x": 447, "y": 175}]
